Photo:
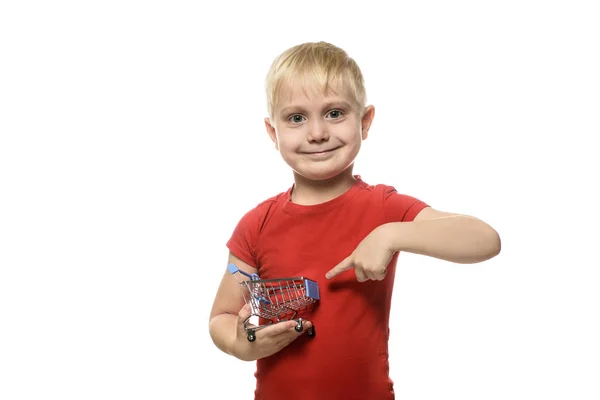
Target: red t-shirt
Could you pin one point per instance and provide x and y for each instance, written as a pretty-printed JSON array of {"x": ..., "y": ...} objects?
[{"x": 348, "y": 357}]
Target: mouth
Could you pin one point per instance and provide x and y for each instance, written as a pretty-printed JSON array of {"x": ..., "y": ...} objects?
[{"x": 322, "y": 151}]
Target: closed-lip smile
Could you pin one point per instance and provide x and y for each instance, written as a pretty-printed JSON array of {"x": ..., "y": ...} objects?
[{"x": 322, "y": 151}]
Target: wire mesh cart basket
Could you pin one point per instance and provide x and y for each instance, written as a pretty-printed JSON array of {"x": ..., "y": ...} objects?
[{"x": 275, "y": 300}]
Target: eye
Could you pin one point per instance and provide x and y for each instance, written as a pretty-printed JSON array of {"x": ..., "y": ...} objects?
[
  {"x": 335, "y": 114},
  {"x": 296, "y": 118}
]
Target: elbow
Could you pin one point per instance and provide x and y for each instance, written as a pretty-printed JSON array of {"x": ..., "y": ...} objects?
[
  {"x": 212, "y": 330},
  {"x": 493, "y": 244},
  {"x": 497, "y": 244},
  {"x": 486, "y": 245},
  {"x": 216, "y": 334}
]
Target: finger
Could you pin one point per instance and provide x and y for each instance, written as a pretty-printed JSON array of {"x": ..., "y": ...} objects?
[
  {"x": 370, "y": 275},
  {"x": 276, "y": 329},
  {"x": 243, "y": 315},
  {"x": 375, "y": 275},
  {"x": 285, "y": 329},
  {"x": 361, "y": 276},
  {"x": 244, "y": 312},
  {"x": 381, "y": 275},
  {"x": 345, "y": 265},
  {"x": 294, "y": 334}
]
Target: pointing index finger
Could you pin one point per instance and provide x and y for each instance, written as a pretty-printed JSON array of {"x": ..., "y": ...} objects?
[{"x": 345, "y": 265}]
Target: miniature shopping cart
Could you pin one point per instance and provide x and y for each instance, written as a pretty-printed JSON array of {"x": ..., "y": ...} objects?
[{"x": 275, "y": 300}]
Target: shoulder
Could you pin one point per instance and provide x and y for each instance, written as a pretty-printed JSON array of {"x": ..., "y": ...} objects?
[
  {"x": 382, "y": 191},
  {"x": 397, "y": 206},
  {"x": 257, "y": 215},
  {"x": 244, "y": 238}
]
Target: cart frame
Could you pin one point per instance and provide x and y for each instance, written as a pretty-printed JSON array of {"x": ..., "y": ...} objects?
[{"x": 276, "y": 300}]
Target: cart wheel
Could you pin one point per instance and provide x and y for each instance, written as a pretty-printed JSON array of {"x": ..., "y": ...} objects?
[
  {"x": 311, "y": 331},
  {"x": 298, "y": 327},
  {"x": 251, "y": 336}
]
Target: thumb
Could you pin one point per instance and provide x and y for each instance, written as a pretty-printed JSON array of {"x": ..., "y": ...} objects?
[
  {"x": 243, "y": 314},
  {"x": 341, "y": 267}
]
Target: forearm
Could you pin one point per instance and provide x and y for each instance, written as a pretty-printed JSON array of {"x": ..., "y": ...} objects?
[
  {"x": 222, "y": 330},
  {"x": 458, "y": 238}
]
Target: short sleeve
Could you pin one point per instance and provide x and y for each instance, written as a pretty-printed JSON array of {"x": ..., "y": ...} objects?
[
  {"x": 243, "y": 239},
  {"x": 400, "y": 207}
]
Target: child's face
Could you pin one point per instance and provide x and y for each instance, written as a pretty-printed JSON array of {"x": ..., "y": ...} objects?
[{"x": 318, "y": 135}]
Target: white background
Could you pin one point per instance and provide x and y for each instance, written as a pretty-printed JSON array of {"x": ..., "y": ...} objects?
[{"x": 132, "y": 141}]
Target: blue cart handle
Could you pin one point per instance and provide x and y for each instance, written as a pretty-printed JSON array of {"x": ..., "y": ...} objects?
[{"x": 233, "y": 269}]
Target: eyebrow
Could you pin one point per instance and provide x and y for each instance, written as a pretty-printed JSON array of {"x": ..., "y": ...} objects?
[{"x": 332, "y": 104}]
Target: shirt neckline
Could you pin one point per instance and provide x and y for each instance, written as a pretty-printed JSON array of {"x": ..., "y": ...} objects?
[{"x": 298, "y": 209}]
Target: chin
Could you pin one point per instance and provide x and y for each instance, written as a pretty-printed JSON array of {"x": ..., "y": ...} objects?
[
  {"x": 320, "y": 170},
  {"x": 316, "y": 177},
  {"x": 322, "y": 175}
]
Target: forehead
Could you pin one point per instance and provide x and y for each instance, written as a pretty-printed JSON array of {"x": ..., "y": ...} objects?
[{"x": 302, "y": 93}]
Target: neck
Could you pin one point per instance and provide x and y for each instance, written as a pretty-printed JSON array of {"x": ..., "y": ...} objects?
[{"x": 308, "y": 192}]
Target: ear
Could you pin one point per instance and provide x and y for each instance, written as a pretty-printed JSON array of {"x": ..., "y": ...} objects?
[
  {"x": 367, "y": 120},
  {"x": 271, "y": 132}
]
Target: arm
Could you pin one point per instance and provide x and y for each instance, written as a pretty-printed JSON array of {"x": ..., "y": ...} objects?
[
  {"x": 451, "y": 237},
  {"x": 226, "y": 323},
  {"x": 226, "y": 306}
]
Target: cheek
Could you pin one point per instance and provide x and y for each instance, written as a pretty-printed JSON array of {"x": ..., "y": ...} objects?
[
  {"x": 354, "y": 148},
  {"x": 289, "y": 141},
  {"x": 349, "y": 134},
  {"x": 348, "y": 128}
]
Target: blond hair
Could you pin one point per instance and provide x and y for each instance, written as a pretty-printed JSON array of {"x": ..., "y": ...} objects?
[{"x": 319, "y": 65}]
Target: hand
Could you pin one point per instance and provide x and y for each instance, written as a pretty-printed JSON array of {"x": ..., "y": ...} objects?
[
  {"x": 268, "y": 341},
  {"x": 370, "y": 259}
]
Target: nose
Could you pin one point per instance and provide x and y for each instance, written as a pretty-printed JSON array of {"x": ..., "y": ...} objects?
[{"x": 318, "y": 131}]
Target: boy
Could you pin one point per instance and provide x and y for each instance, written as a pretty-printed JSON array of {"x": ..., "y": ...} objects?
[{"x": 334, "y": 228}]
